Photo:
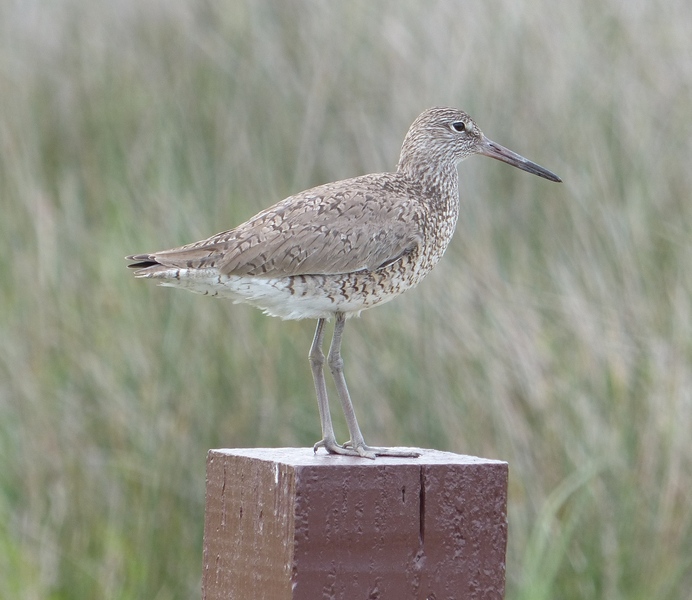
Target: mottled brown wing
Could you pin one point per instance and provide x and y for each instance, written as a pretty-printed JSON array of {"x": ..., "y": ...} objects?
[{"x": 335, "y": 228}]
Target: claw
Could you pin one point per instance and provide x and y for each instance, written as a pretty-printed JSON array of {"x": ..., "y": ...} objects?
[
  {"x": 333, "y": 448},
  {"x": 373, "y": 452},
  {"x": 362, "y": 450}
]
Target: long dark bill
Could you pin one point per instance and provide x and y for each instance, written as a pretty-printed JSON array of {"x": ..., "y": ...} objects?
[{"x": 493, "y": 150}]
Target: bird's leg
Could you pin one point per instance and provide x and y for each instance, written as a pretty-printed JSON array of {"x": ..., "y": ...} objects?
[
  {"x": 316, "y": 356},
  {"x": 336, "y": 365}
]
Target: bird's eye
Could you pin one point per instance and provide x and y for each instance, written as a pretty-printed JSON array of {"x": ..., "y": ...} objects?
[{"x": 459, "y": 126}]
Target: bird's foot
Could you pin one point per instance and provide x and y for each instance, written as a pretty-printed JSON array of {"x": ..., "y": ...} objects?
[
  {"x": 332, "y": 447},
  {"x": 371, "y": 452},
  {"x": 362, "y": 450}
]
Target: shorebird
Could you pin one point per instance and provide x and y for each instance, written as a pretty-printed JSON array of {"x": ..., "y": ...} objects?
[{"x": 340, "y": 248}]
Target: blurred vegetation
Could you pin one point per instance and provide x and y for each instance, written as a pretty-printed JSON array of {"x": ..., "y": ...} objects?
[{"x": 556, "y": 334}]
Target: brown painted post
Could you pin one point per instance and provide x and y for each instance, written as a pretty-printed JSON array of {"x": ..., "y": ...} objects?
[{"x": 288, "y": 524}]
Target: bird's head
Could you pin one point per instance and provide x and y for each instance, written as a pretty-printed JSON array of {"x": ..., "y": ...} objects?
[{"x": 442, "y": 136}]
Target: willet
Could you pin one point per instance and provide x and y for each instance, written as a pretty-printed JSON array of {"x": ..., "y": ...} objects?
[{"x": 340, "y": 248}]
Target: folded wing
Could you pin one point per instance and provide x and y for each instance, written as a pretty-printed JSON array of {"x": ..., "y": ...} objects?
[{"x": 330, "y": 229}]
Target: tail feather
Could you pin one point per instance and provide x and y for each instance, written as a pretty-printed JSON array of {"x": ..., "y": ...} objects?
[
  {"x": 146, "y": 265},
  {"x": 143, "y": 261}
]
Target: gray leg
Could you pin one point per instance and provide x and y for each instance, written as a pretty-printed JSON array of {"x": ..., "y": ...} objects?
[
  {"x": 316, "y": 356},
  {"x": 336, "y": 365}
]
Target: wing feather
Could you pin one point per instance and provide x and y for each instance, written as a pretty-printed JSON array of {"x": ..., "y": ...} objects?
[{"x": 335, "y": 228}]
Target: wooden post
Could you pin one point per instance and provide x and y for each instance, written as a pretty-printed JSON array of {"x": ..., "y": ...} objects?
[{"x": 288, "y": 524}]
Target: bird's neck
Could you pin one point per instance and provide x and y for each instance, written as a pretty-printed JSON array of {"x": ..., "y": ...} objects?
[{"x": 439, "y": 178}]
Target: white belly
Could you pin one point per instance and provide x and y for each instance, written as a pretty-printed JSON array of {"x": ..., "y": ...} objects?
[{"x": 296, "y": 297}]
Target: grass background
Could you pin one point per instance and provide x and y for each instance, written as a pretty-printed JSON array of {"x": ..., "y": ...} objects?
[{"x": 556, "y": 334}]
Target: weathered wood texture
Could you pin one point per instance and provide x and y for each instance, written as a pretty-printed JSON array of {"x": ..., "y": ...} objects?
[{"x": 287, "y": 524}]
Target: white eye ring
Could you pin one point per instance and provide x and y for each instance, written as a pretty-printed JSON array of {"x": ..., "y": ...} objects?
[{"x": 458, "y": 126}]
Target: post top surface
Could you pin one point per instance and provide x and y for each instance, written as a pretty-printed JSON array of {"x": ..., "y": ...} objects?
[{"x": 307, "y": 457}]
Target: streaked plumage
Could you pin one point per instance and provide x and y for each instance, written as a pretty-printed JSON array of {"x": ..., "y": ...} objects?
[{"x": 343, "y": 247}]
